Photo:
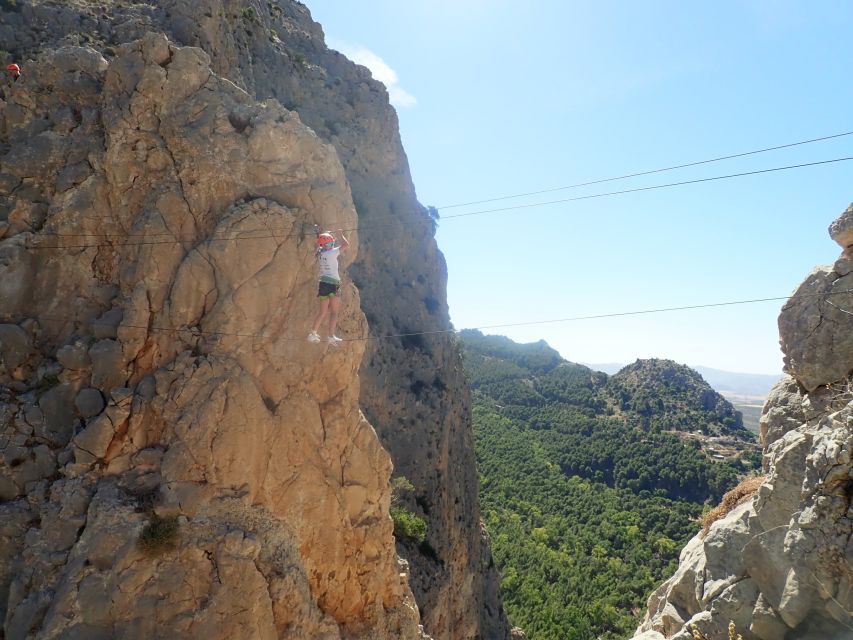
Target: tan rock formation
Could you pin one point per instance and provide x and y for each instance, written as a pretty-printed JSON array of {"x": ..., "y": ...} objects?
[
  {"x": 779, "y": 565},
  {"x": 412, "y": 390},
  {"x": 177, "y": 460}
]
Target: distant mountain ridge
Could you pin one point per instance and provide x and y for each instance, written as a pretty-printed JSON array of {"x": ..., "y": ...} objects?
[
  {"x": 725, "y": 382},
  {"x": 747, "y": 384}
]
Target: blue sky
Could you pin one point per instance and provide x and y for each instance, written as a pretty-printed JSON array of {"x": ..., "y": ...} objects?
[{"x": 497, "y": 98}]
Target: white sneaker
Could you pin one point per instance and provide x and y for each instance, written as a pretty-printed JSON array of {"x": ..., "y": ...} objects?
[
  {"x": 334, "y": 340},
  {"x": 313, "y": 337}
]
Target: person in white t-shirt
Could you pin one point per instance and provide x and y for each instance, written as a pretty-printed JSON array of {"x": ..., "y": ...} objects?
[{"x": 328, "y": 293}]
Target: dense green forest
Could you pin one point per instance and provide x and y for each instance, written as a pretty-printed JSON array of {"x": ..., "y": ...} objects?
[{"x": 586, "y": 489}]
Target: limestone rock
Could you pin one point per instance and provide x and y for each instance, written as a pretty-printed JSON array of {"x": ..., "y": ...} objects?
[
  {"x": 93, "y": 441},
  {"x": 89, "y": 403},
  {"x": 73, "y": 356},
  {"x": 814, "y": 329},
  {"x": 782, "y": 412},
  {"x": 16, "y": 351},
  {"x": 814, "y": 325},
  {"x": 60, "y": 415},
  {"x": 107, "y": 364},
  {"x": 779, "y": 564},
  {"x": 841, "y": 230},
  {"x": 413, "y": 391},
  {"x": 198, "y": 469}
]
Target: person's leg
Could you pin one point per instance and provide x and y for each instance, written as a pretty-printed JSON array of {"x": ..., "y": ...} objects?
[
  {"x": 334, "y": 308},
  {"x": 321, "y": 314}
]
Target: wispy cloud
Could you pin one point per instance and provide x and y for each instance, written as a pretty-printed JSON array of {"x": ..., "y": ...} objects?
[{"x": 379, "y": 69}]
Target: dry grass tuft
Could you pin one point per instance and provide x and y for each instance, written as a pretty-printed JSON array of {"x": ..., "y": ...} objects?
[
  {"x": 733, "y": 498},
  {"x": 698, "y": 635},
  {"x": 159, "y": 536}
]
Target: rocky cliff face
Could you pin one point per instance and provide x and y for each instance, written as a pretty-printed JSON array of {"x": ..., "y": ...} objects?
[
  {"x": 176, "y": 461},
  {"x": 780, "y": 565},
  {"x": 412, "y": 389}
]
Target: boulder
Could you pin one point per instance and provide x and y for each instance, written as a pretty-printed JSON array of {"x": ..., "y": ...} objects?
[
  {"x": 93, "y": 441},
  {"x": 89, "y": 402},
  {"x": 774, "y": 565},
  {"x": 60, "y": 415},
  {"x": 74, "y": 356},
  {"x": 814, "y": 323},
  {"x": 107, "y": 364},
  {"x": 841, "y": 229}
]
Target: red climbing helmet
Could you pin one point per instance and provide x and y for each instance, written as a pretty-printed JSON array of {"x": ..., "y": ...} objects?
[
  {"x": 13, "y": 68},
  {"x": 324, "y": 239}
]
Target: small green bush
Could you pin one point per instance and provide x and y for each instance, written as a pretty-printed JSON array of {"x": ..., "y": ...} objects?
[
  {"x": 407, "y": 525},
  {"x": 400, "y": 486},
  {"x": 159, "y": 535}
]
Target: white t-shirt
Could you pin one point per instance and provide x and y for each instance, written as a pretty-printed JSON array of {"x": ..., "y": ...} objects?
[{"x": 329, "y": 265}]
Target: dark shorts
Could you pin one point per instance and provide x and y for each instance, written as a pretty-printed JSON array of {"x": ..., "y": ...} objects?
[{"x": 327, "y": 290}]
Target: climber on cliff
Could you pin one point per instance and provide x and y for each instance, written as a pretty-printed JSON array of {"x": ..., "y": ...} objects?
[
  {"x": 13, "y": 72},
  {"x": 328, "y": 293}
]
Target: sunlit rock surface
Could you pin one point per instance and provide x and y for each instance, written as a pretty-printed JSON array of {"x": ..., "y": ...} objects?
[
  {"x": 177, "y": 460},
  {"x": 412, "y": 389}
]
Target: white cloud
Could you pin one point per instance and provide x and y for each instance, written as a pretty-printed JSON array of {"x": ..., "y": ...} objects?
[
  {"x": 380, "y": 71},
  {"x": 401, "y": 98}
]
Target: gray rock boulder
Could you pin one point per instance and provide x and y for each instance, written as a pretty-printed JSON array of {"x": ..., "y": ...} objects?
[
  {"x": 89, "y": 402},
  {"x": 60, "y": 414},
  {"x": 107, "y": 364},
  {"x": 814, "y": 325},
  {"x": 74, "y": 356},
  {"x": 779, "y": 565},
  {"x": 814, "y": 328},
  {"x": 841, "y": 230}
]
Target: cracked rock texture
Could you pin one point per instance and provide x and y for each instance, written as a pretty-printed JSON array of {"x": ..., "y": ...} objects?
[
  {"x": 780, "y": 565},
  {"x": 176, "y": 460},
  {"x": 412, "y": 389}
]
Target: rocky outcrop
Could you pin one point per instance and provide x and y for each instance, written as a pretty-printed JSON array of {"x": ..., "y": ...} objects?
[
  {"x": 814, "y": 324},
  {"x": 177, "y": 461},
  {"x": 412, "y": 388},
  {"x": 781, "y": 565}
]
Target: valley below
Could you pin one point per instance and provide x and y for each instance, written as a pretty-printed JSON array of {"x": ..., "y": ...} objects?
[{"x": 591, "y": 484}]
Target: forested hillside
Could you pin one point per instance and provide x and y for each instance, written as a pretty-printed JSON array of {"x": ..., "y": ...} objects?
[
  {"x": 662, "y": 395},
  {"x": 586, "y": 493}
]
